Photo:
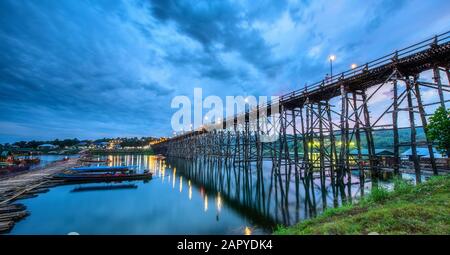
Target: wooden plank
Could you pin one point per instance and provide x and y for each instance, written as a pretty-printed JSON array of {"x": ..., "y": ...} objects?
[{"x": 6, "y": 226}]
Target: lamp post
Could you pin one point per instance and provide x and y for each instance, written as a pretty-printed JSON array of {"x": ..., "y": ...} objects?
[
  {"x": 353, "y": 67},
  {"x": 332, "y": 58}
]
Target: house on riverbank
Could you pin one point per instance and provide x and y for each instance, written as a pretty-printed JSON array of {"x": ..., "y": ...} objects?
[{"x": 47, "y": 146}]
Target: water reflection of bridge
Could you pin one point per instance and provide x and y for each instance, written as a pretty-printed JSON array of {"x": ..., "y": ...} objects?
[
  {"x": 316, "y": 135},
  {"x": 265, "y": 198}
]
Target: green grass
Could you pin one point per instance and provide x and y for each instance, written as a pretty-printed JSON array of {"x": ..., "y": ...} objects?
[{"x": 408, "y": 209}]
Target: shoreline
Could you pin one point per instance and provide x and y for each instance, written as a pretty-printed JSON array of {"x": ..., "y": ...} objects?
[
  {"x": 27, "y": 185},
  {"x": 408, "y": 209}
]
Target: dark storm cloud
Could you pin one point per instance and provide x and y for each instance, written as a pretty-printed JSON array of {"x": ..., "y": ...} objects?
[
  {"x": 225, "y": 24},
  {"x": 91, "y": 69}
]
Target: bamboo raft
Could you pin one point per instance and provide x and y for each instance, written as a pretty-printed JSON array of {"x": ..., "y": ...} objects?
[{"x": 26, "y": 185}]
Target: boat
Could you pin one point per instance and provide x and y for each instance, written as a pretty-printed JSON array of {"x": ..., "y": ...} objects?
[
  {"x": 102, "y": 177},
  {"x": 108, "y": 187},
  {"x": 11, "y": 168},
  {"x": 102, "y": 169},
  {"x": 32, "y": 161}
]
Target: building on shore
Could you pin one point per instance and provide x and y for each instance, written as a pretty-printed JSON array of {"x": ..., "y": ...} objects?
[
  {"x": 47, "y": 146},
  {"x": 421, "y": 152}
]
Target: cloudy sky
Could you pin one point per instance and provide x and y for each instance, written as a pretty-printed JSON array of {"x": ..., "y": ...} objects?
[{"x": 102, "y": 68}]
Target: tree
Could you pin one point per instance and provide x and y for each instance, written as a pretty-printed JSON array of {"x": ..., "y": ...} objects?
[{"x": 438, "y": 130}]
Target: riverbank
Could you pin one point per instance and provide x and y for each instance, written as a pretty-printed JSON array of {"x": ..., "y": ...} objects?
[
  {"x": 408, "y": 209},
  {"x": 26, "y": 185}
]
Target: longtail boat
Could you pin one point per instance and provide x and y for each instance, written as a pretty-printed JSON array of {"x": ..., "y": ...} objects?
[
  {"x": 10, "y": 168},
  {"x": 102, "y": 177},
  {"x": 108, "y": 187},
  {"x": 102, "y": 169}
]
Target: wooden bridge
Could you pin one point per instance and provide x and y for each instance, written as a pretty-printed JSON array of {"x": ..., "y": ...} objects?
[{"x": 314, "y": 135}]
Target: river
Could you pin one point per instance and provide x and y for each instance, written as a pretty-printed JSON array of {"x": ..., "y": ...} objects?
[{"x": 183, "y": 197}]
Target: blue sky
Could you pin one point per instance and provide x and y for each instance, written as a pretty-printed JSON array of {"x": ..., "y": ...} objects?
[{"x": 93, "y": 69}]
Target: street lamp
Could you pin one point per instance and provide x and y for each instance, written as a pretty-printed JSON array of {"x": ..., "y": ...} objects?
[
  {"x": 332, "y": 58},
  {"x": 353, "y": 67}
]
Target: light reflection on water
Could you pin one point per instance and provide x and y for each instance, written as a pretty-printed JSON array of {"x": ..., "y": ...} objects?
[
  {"x": 168, "y": 204},
  {"x": 183, "y": 197}
]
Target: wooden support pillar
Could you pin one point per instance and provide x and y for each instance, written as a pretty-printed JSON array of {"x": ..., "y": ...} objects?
[
  {"x": 246, "y": 142},
  {"x": 347, "y": 147},
  {"x": 344, "y": 139},
  {"x": 447, "y": 71},
  {"x": 312, "y": 154},
  {"x": 395, "y": 130},
  {"x": 258, "y": 140},
  {"x": 296, "y": 158},
  {"x": 409, "y": 87},
  {"x": 424, "y": 125},
  {"x": 358, "y": 143},
  {"x": 236, "y": 141},
  {"x": 333, "y": 153},
  {"x": 304, "y": 141},
  {"x": 228, "y": 147},
  {"x": 287, "y": 155},
  {"x": 321, "y": 145},
  {"x": 282, "y": 140},
  {"x": 370, "y": 143},
  {"x": 297, "y": 169},
  {"x": 437, "y": 80}
]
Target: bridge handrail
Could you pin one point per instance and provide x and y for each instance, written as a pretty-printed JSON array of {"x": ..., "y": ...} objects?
[{"x": 377, "y": 62}]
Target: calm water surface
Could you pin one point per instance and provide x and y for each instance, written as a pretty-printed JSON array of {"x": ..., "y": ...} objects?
[{"x": 201, "y": 197}]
